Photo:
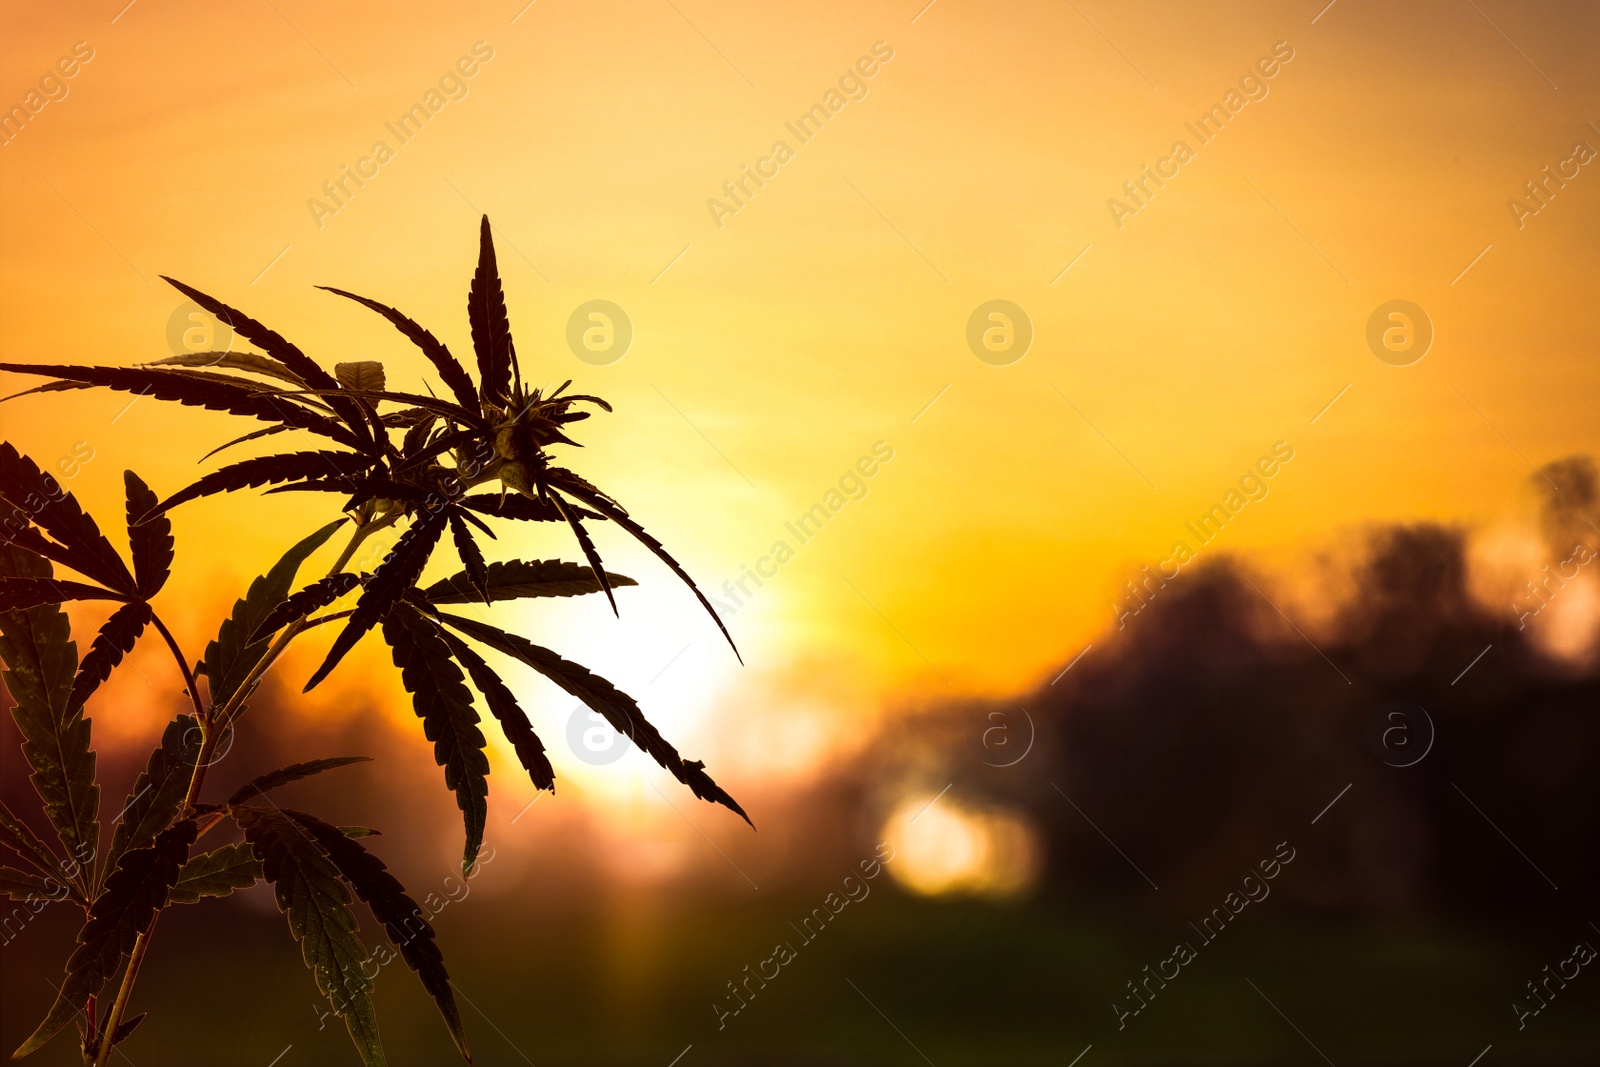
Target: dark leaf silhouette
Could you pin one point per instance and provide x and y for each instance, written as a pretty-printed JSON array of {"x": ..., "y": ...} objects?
[
  {"x": 397, "y": 573},
  {"x": 265, "y": 431},
  {"x": 20, "y": 594},
  {"x": 491, "y": 330},
  {"x": 231, "y": 656},
  {"x": 472, "y": 564},
  {"x": 16, "y": 529},
  {"x": 503, "y": 705},
  {"x": 516, "y": 578},
  {"x": 618, "y": 708},
  {"x": 317, "y": 595},
  {"x": 292, "y": 773},
  {"x": 254, "y": 362},
  {"x": 278, "y": 348},
  {"x": 267, "y": 470},
  {"x": 131, "y": 898},
  {"x": 205, "y": 391},
  {"x": 401, "y": 918},
  {"x": 251, "y": 330},
  {"x": 312, "y": 896},
  {"x": 514, "y": 506},
  {"x": 159, "y": 790},
  {"x": 46, "y": 502},
  {"x": 395, "y": 458},
  {"x": 150, "y": 542},
  {"x": 365, "y": 375},
  {"x": 216, "y": 874},
  {"x": 450, "y": 370},
  {"x": 577, "y": 487},
  {"x": 589, "y": 551},
  {"x": 442, "y": 701},
  {"x": 114, "y": 641},
  {"x": 40, "y": 658}
]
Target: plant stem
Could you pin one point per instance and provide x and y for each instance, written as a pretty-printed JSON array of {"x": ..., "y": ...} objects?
[
  {"x": 212, "y": 726},
  {"x": 183, "y": 666},
  {"x": 113, "y": 1017}
]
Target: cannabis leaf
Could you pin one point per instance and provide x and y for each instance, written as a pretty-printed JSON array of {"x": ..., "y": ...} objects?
[
  {"x": 617, "y": 707},
  {"x": 115, "y": 640},
  {"x": 214, "y": 392},
  {"x": 361, "y": 376},
  {"x": 20, "y": 885},
  {"x": 514, "y": 579},
  {"x": 40, "y": 660},
  {"x": 216, "y": 874},
  {"x": 267, "y": 470},
  {"x": 15, "y": 835},
  {"x": 401, "y": 918},
  {"x": 312, "y": 896},
  {"x": 444, "y": 704},
  {"x": 159, "y": 790},
  {"x": 292, "y": 773},
  {"x": 397, "y": 573},
  {"x": 150, "y": 542},
  {"x": 491, "y": 328},
  {"x": 236, "y": 649},
  {"x": 254, "y": 362},
  {"x": 503, "y": 705},
  {"x": 317, "y": 595},
  {"x": 131, "y": 898},
  {"x": 451, "y": 371}
]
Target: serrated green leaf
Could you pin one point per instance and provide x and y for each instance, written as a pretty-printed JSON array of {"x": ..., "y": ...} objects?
[
  {"x": 401, "y": 918},
  {"x": 517, "y": 578},
  {"x": 440, "y": 697},
  {"x": 216, "y": 874},
  {"x": 231, "y": 656},
  {"x": 131, "y": 899},
  {"x": 360, "y": 831},
  {"x": 19, "y": 838},
  {"x": 312, "y": 896},
  {"x": 20, "y": 885},
  {"x": 40, "y": 663},
  {"x": 158, "y": 792}
]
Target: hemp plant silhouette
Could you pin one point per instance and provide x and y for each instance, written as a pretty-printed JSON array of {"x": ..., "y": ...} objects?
[{"x": 498, "y": 430}]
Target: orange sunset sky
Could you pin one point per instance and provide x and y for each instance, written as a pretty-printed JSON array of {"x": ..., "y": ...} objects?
[{"x": 776, "y": 345}]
